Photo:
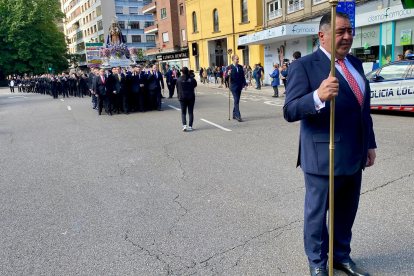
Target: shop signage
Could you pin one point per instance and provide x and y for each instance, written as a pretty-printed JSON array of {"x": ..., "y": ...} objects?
[
  {"x": 348, "y": 7},
  {"x": 405, "y": 38},
  {"x": 384, "y": 15},
  {"x": 92, "y": 54},
  {"x": 174, "y": 55}
]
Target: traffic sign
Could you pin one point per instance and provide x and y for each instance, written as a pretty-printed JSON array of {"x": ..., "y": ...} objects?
[{"x": 348, "y": 7}]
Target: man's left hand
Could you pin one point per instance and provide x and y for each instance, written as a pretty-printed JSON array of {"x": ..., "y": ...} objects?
[
  {"x": 245, "y": 88},
  {"x": 371, "y": 157}
]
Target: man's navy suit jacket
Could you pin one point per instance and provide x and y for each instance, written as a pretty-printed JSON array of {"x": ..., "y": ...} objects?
[
  {"x": 154, "y": 82},
  {"x": 238, "y": 80},
  {"x": 354, "y": 133}
]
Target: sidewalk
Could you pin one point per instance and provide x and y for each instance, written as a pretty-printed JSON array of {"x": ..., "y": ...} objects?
[{"x": 266, "y": 90}]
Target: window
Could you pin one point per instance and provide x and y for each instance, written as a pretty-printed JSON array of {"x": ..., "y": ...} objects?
[
  {"x": 163, "y": 13},
  {"x": 101, "y": 38},
  {"x": 197, "y": 63},
  {"x": 79, "y": 35},
  {"x": 244, "y": 11},
  {"x": 216, "y": 20},
  {"x": 119, "y": 10},
  {"x": 165, "y": 37},
  {"x": 246, "y": 56},
  {"x": 181, "y": 9},
  {"x": 98, "y": 11},
  {"x": 134, "y": 24},
  {"x": 125, "y": 38},
  {"x": 393, "y": 72},
  {"x": 183, "y": 34},
  {"x": 195, "y": 22},
  {"x": 148, "y": 24},
  {"x": 100, "y": 25},
  {"x": 150, "y": 38},
  {"x": 94, "y": 29},
  {"x": 275, "y": 9},
  {"x": 136, "y": 38},
  {"x": 133, "y": 10},
  {"x": 121, "y": 24}
]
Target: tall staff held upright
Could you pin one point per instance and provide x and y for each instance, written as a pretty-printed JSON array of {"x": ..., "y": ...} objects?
[
  {"x": 333, "y": 3},
  {"x": 230, "y": 51}
]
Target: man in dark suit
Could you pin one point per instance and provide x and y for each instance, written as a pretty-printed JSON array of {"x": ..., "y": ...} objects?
[
  {"x": 92, "y": 75},
  {"x": 64, "y": 85},
  {"x": 309, "y": 91},
  {"x": 120, "y": 91},
  {"x": 238, "y": 81},
  {"x": 155, "y": 84},
  {"x": 138, "y": 80},
  {"x": 103, "y": 87},
  {"x": 171, "y": 78}
]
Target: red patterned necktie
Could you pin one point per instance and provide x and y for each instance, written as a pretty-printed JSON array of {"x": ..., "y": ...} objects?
[
  {"x": 352, "y": 82},
  {"x": 103, "y": 80}
]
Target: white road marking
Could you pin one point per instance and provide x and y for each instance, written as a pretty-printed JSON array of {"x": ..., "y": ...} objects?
[
  {"x": 173, "y": 107},
  {"x": 216, "y": 125},
  {"x": 62, "y": 100},
  {"x": 272, "y": 103},
  {"x": 200, "y": 93},
  {"x": 17, "y": 97},
  {"x": 69, "y": 108}
]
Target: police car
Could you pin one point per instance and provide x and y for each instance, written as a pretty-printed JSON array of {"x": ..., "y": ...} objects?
[{"x": 392, "y": 86}]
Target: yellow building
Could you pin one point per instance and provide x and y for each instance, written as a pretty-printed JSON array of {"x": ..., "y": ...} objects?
[{"x": 215, "y": 25}]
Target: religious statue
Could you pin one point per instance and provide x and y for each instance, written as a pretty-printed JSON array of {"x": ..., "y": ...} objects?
[{"x": 115, "y": 34}]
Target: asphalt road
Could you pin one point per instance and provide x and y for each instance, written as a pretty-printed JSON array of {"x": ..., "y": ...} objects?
[{"x": 83, "y": 194}]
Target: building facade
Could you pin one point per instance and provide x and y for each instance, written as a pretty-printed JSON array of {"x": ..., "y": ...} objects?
[
  {"x": 214, "y": 27},
  {"x": 170, "y": 31},
  {"x": 88, "y": 21}
]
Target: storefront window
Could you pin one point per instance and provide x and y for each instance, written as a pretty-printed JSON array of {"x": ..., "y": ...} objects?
[
  {"x": 403, "y": 36},
  {"x": 366, "y": 43},
  {"x": 386, "y": 43}
]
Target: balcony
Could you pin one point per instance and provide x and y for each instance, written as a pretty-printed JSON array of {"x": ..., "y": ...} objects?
[
  {"x": 275, "y": 14},
  {"x": 295, "y": 6},
  {"x": 151, "y": 50},
  {"x": 151, "y": 29},
  {"x": 151, "y": 7}
]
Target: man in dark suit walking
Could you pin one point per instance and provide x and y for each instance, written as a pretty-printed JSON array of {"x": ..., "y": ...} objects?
[
  {"x": 155, "y": 84},
  {"x": 92, "y": 75},
  {"x": 103, "y": 87},
  {"x": 120, "y": 91},
  {"x": 309, "y": 91},
  {"x": 171, "y": 78},
  {"x": 138, "y": 80},
  {"x": 238, "y": 81}
]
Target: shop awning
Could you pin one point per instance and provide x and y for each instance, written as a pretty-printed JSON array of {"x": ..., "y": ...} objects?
[{"x": 280, "y": 33}]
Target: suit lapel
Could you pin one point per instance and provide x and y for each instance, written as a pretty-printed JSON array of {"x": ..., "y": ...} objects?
[{"x": 324, "y": 63}]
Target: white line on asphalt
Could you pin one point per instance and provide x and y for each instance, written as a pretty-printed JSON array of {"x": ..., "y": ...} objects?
[
  {"x": 272, "y": 103},
  {"x": 216, "y": 125},
  {"x": 174, "y": 107},
  {"x": 69, "y": 108},
  {"x": 18, "y": 97},
  {"x": 62, "y": 100}
]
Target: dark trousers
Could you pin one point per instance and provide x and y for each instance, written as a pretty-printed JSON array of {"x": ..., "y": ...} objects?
[
  {"x": 226, "y": 82},
  {"x": 138, "y": 99},
  {"x": 276, "y": 90},
  {"x": 55, "y": 93},
  {"x": 187, "y": 104},
  {"x": 65, "y": 92},
  {"x": 236, "y": 109},
  {"x": 19, "y": 88},
  {"x": 171, "y": 88},
  {"x": 121, "y": 101},
  {"x": 316, "y": 238},
  {"x": 284, "y": 82},
  {"x": 155, "y": 98},
  {"x": 12, "y": 89},
  {"x": 100, "y": 101},
  {"x": 258, "y": 82},
  {"x": 93, "y": 100}
]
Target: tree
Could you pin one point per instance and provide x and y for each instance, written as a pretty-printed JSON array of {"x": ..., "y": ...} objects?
[{"x": 30, "y": 38}]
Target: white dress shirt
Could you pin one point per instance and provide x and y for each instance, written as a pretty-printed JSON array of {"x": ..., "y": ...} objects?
[{"x": 361, "y": 83}]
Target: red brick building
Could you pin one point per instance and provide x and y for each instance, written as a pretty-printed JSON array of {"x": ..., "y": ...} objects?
[{"x": 170, "y": 29}]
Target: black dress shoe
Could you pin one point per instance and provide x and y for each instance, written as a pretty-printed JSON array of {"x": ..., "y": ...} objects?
[
  {"x": 350, "y": 269},
  {"x": 126, "y": 113},
  {"x": 99, "y": 113},
  {"x": 159, "y": 109},
  {"x": 169, "y": 97},
  {"x": 234, "y": 118},
  {"x": 239, "y": 119},
  {"x": 109, "y": 113},
  {"x": 117, "y": 112},
  {"x": 317, "y": 271}
]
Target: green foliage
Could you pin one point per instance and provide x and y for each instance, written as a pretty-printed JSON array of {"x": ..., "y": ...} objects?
[
  {"x": 29, "y": 36},
  {"x": 140, "y": 55}
]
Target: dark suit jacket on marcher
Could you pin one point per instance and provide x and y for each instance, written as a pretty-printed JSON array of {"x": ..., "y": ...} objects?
[
  {"x": 155, "y": 83},
  {"x": 120, "y": 86},
  {"x": 137, "y": 80},
  {"x": 354, "y": 133},
  {"x": 238, "y": 80},
  {"x": 169, "y": 75},
  {"x": 101, "y": 88}
]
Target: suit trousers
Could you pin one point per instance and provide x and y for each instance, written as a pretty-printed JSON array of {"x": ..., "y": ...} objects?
[
  {"x": 236, "y": 109},
  {"x": 100, "y": 101},
  {"x": 121, "y": 101},
  {"x": 12, "y": 89},
  {"x": 138, "y": 99},
  {"x": 65, "y": 91},
  {"x": 155, "y": 98},
  {"x": 316, "y": 238},
  {"x": 171, "y": 88}
]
